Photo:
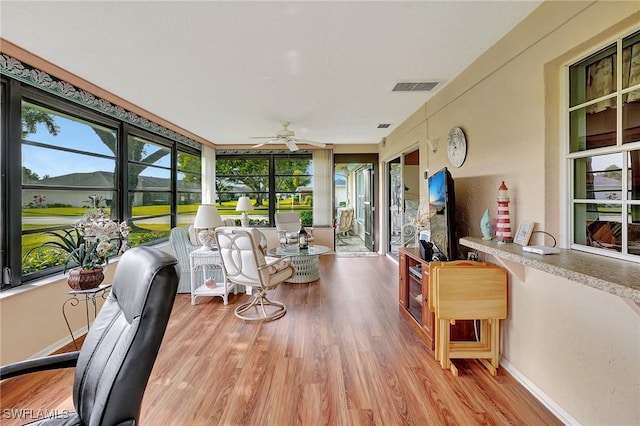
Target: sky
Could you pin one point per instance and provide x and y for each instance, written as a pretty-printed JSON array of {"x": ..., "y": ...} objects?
[{"x": 73, "y": 134}]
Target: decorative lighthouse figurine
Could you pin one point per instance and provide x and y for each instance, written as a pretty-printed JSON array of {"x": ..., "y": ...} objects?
[{"x": 503, "y": 227}]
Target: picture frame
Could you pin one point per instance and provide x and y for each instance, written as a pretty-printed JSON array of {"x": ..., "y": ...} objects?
[{"x": 523, "y": 234}]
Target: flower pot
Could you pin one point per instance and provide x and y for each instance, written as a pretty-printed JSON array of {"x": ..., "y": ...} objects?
[{"x": 85, "y": 279}]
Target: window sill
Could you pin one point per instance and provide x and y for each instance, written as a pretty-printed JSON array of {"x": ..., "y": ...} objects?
[
  {"x": 4, "y": 294},
  {"x": 603, "y": 273}
]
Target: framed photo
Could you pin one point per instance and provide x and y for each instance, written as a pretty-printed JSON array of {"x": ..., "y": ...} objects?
[{"x": 524, "y": 232}]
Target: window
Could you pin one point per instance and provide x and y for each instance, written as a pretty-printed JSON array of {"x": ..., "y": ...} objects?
[
  {"x": 274, "y": 182},
  {"x": 149, "y": 192},
  {"x": 189, "y": 186},
  {"x": 604, "y": 150},
  {"x": 70, "y": 159},
  {"x": 68, "y": 167}
]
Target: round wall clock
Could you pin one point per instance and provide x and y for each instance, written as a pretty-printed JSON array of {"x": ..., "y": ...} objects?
[{"x": 456, "y": 147}]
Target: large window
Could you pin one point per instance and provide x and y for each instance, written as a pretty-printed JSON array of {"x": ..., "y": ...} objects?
[
  {"x": 149, "y": 196},
  {"x": 604, "y": 150},
  {"x": 273, "y": 182},
  {"x": 69, "y": 160},
  {"x": 189, "y": 186}
]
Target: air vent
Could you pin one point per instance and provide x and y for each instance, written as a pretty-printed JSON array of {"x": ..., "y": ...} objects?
[
  {"x": 384, "y": 125},
  {"x": 415, "y": 86}
]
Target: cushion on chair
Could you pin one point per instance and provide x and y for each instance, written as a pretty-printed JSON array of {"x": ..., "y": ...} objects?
[
  {"x": 281, "y": 276},
  {"x": 279, "y": 266}
]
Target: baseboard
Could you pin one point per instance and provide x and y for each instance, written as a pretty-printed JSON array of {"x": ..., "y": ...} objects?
[
  {"x": 59, "y": 344},
  {"x": 539, "y": 394}
]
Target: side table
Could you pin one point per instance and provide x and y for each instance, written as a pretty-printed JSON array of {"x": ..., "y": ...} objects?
[
  {"x": 87, "y": 296},
  {"x": 215, "y": 284},
  {"x": 306, "y": 261}
]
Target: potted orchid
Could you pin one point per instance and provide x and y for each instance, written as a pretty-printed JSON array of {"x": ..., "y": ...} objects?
[{"x": 90, "y": 243}]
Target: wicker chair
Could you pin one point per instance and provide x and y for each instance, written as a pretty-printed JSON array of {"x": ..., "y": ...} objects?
[
  {"x": 245, "y": 264},
  {"x": 287, "y": 227},
  {"x": 182, "y": 245},
  {"x": 344, "y": 223}
]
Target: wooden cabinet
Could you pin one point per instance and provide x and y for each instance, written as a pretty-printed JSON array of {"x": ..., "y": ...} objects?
[{"x": 413, "y": 292}]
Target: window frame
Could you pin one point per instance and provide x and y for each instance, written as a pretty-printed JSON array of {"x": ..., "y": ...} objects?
[
  {"x": 272, "y": 157},
  {"x": 572, "y": 155},
  {"x": 11, "y": 163}
]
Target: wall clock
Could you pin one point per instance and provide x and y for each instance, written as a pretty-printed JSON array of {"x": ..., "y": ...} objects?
[{"x": 456, "y": 147}]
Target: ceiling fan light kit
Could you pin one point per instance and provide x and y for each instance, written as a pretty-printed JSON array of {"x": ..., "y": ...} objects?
[{"x": 287, "y": 137}]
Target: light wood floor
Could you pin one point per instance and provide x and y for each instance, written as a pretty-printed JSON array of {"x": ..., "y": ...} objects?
[{"x": 342, "y": 355}]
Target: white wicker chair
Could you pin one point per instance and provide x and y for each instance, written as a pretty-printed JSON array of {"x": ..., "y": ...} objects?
[
  {"x": 287, "y": 227},
  {"x": 182, "y": 246},
  {"x": 245, "y": 264},
  {"x": 344, "y": 223}
]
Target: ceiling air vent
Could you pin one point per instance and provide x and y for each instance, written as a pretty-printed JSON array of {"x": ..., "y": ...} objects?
[
  {"x": 415, "y": 86},
  {"x": 384, "y": 125}
]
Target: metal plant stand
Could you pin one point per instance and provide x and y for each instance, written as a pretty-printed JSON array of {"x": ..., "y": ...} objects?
[{"x": 87, "y": 296}]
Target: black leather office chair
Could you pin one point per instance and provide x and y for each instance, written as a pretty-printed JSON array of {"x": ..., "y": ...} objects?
[{"x": 114, "y": 364}]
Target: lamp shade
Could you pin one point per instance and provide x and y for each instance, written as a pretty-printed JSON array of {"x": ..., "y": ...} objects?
[
  {"x": 207, "y": 217},
  {"x": 244, "y": 204}
]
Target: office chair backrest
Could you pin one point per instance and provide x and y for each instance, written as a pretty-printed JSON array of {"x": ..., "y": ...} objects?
[{"x": 121, "y": 347}]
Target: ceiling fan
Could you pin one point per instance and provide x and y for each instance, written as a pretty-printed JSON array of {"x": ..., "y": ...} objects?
[{"x": 287, "y": 137}]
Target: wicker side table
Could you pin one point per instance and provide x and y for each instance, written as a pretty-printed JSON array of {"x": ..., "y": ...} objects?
[
  {"x": 306, "y": 262},
  {"x": 218, "y": 286}
]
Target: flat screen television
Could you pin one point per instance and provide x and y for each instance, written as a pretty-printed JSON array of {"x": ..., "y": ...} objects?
[{"x": 442, "y": 213}]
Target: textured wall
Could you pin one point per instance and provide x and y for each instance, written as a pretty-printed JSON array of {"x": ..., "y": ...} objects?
[{"x": 578, "y": 345}]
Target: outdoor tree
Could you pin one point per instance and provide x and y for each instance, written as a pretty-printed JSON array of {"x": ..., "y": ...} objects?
[
  {"x": 31, "y": 117},
  {"x": 254, "y": 174},
  {"x": 192, "y": 166},
  {"x": 613, "y": 171},
  {"x": 29, "y": 176}
]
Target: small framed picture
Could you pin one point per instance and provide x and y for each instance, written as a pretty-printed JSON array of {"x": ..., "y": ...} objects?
[{"x": 524, "y": 233}]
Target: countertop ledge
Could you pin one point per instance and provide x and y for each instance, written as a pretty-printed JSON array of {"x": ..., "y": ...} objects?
[{"x": 619, "y": 277}]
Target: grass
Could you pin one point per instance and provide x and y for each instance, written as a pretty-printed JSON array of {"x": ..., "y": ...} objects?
[{"x": 156, "y": 231}]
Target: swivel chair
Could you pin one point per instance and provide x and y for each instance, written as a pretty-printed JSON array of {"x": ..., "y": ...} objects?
[
  {"x": 115, "y": 362},
  {"x": 244, "y": 263}
]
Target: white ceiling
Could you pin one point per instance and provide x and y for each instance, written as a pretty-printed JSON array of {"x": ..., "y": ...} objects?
[{"x": 227, "y": 71}]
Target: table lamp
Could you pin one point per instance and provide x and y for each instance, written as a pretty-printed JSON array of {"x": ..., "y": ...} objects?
[
  {"x": 244, "y": 204},
  {"x": 207, "y": 218}
]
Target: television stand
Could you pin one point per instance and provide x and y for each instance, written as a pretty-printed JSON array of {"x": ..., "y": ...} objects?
[{"x": 413, "y": 291}]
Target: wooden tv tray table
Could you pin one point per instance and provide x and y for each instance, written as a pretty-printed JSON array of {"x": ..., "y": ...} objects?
[
  {"x": 417, "y": 303},
  {"x": 466, "y": 290}
]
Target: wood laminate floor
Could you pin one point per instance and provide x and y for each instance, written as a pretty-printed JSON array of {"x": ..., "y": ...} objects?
[{"x": 342, "y": 355}]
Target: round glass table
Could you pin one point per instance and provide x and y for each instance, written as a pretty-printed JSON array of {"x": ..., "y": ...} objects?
[{"x": 306, "y": 261}]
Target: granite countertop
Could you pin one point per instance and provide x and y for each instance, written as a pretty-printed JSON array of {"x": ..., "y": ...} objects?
[{"x": 619, "y": 277}]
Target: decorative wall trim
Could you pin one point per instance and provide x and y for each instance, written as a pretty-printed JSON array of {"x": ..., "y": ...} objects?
[{"x": 13, "y": 68}]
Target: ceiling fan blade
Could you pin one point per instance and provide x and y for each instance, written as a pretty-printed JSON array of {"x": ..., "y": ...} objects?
[
  {"x": 263, "y": 137},
  {"x": 291, "y": 145},
  {"x": 314, "y": 143},
  {"x": 308, "y": 142},
  {"x": 259, "y": 145}
]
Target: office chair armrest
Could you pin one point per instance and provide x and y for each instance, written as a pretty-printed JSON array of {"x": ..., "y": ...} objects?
[{"x": 52, "y": 362}]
